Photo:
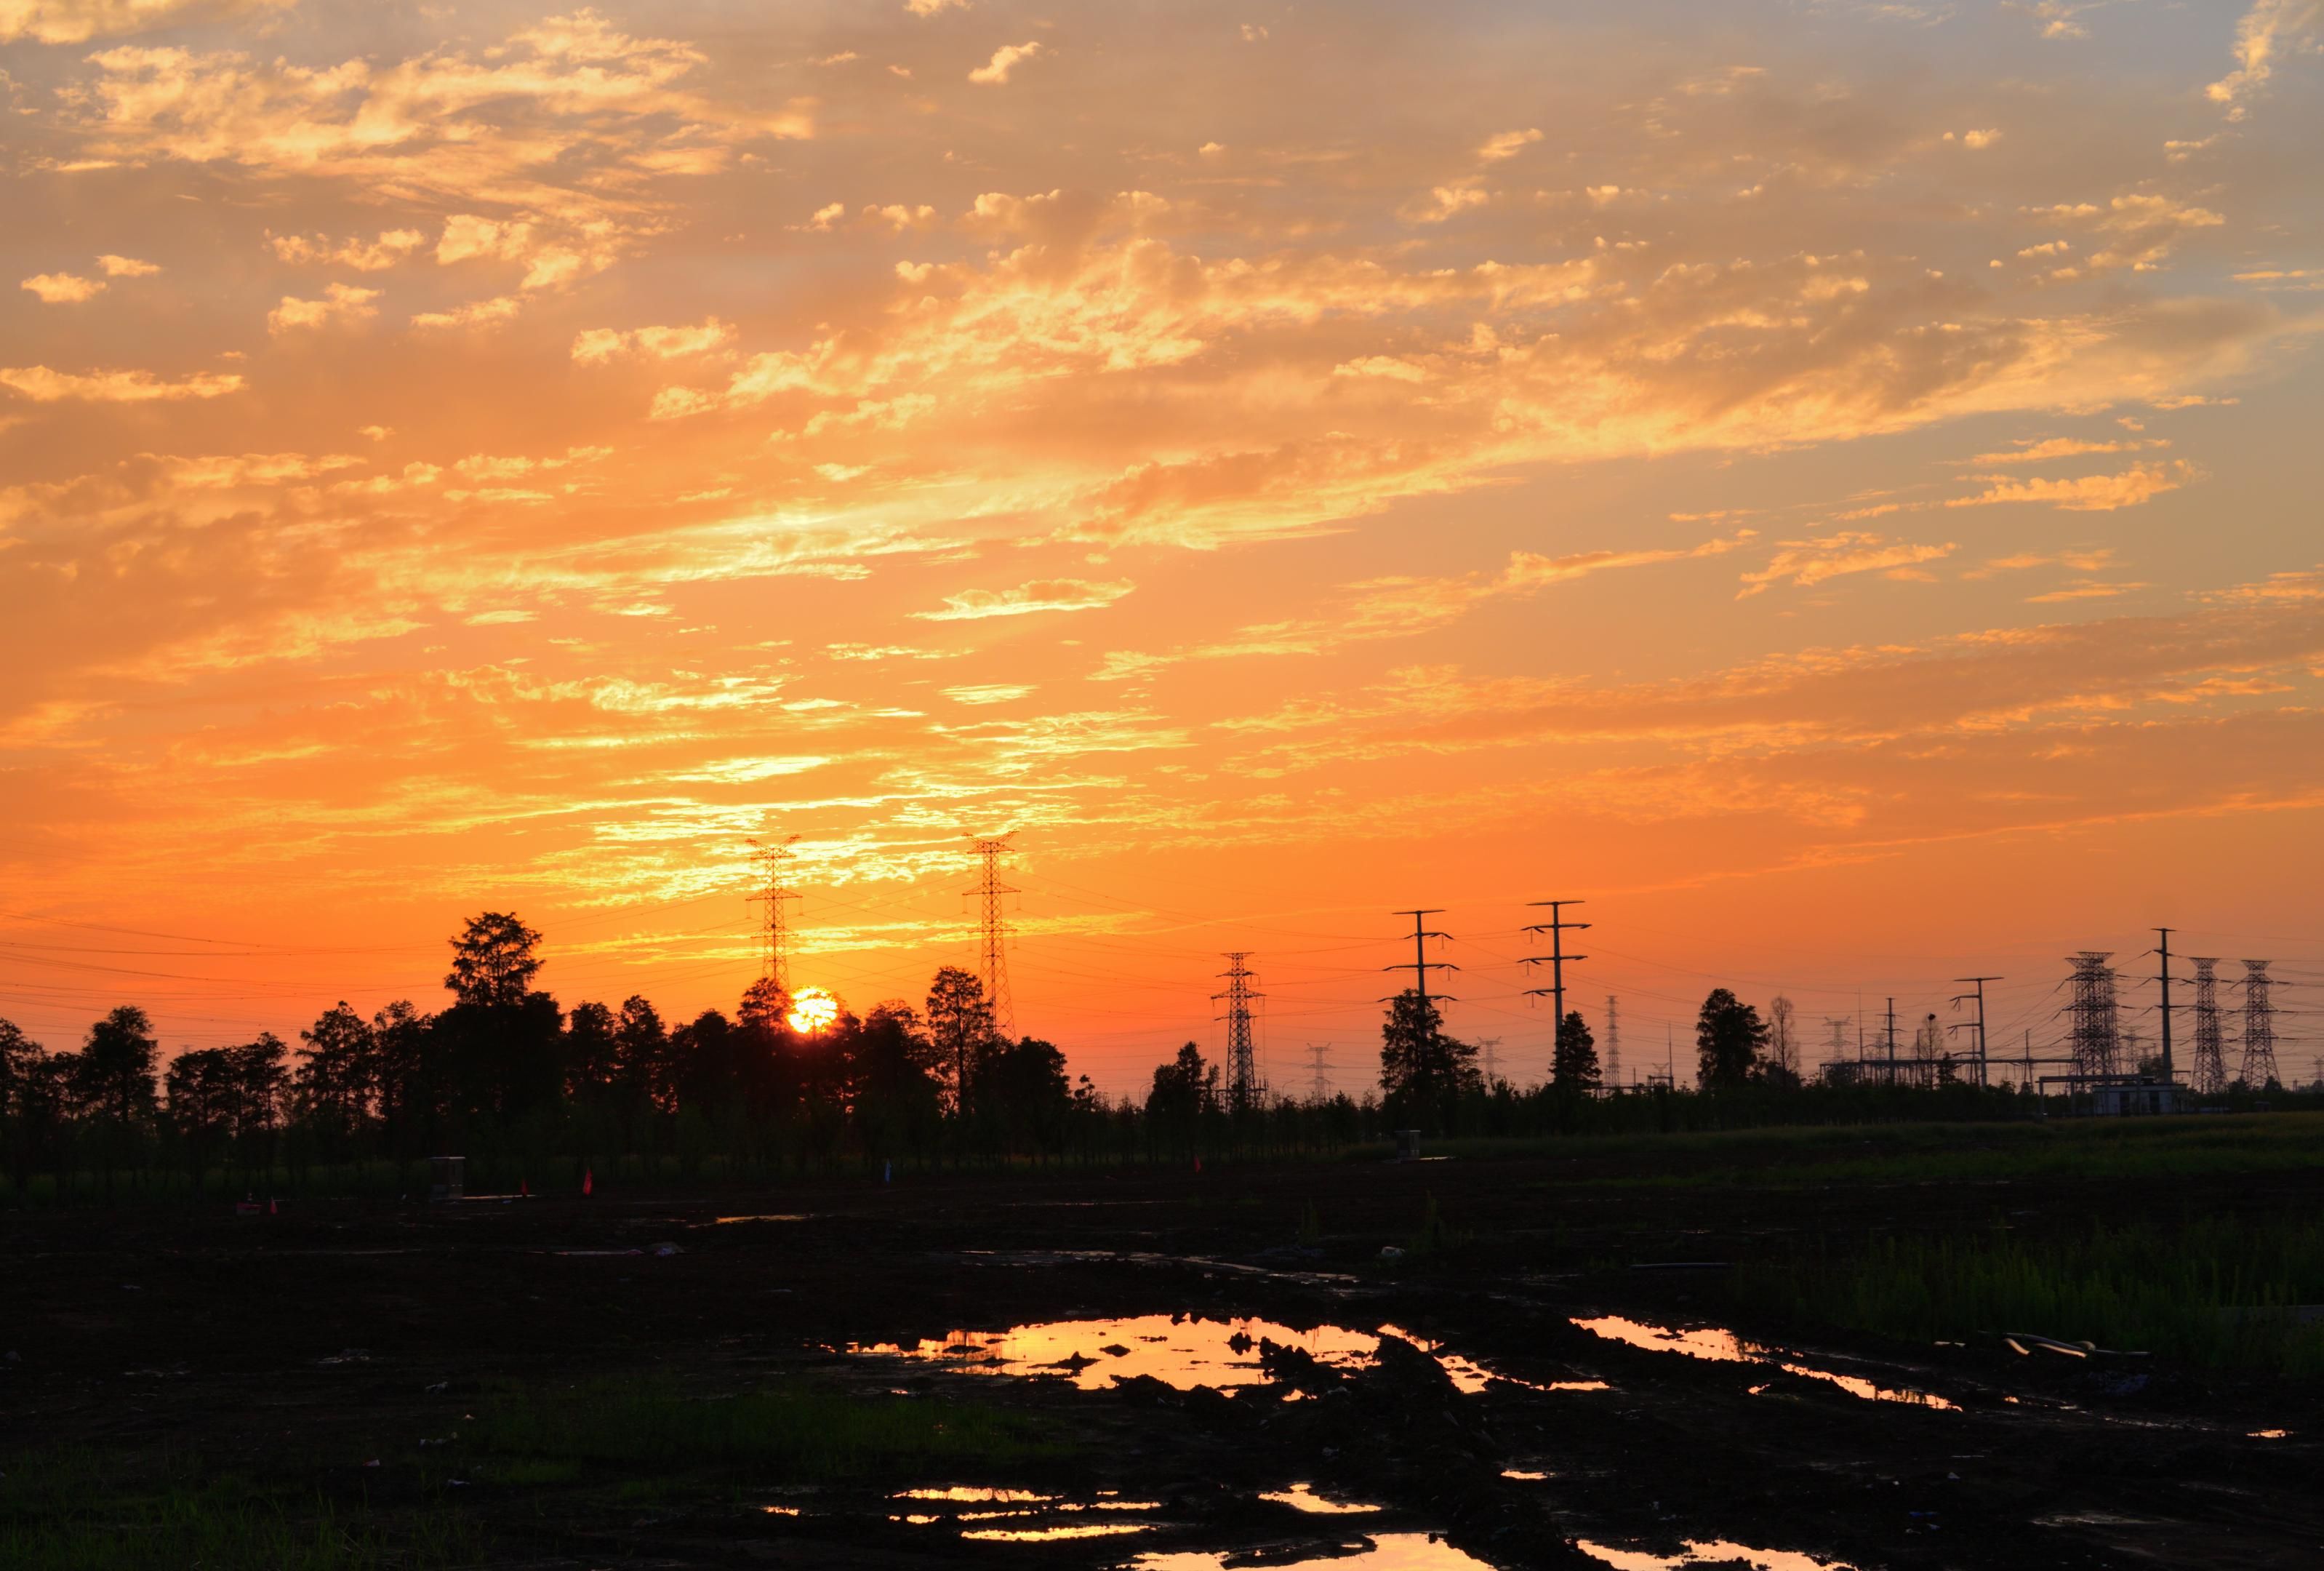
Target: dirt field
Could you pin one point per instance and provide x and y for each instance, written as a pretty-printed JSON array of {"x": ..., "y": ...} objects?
[{"x": 350, "y": 1355}]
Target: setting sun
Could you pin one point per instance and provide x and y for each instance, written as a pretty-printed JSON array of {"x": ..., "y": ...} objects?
[{"x": 813, "y": 1010}]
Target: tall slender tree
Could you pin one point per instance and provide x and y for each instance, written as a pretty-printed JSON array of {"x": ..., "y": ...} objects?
[
  {"x": 960, "y": 1022},
  {"x": 1573, "y": 1065},
  {"x": 1423, "y": 1073}
]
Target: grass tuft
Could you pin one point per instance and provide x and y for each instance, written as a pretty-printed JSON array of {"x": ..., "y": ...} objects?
[{"x": 2214, "y": 1292}]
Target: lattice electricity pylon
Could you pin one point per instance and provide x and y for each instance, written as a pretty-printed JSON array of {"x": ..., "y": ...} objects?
[
  {"x": 2210, "y": 1077},
  {"x": 774, "y": 928},
  {"x": 1611, "y": 1073},
  {"x": 1319, "y": 1067},
  {"x": 2093, "y": 1021},
  {"x": 2259, "y": 1026},
  {"x": 994, "y": 960},
  {"x": 1245, "y": 1089}
]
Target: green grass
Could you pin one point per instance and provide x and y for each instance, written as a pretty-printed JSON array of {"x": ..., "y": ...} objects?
[
  {"x": 786, "y": 1434},
  {"x": 2198, "y": 1290},
  {"x": 74, "y": 1510}
]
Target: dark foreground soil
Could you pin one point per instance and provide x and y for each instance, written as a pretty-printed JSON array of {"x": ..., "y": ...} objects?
[{"x": 317, "y": 1349}]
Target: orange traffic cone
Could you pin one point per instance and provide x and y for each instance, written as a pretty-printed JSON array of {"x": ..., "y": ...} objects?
[{"x": 588, "y": 1181}]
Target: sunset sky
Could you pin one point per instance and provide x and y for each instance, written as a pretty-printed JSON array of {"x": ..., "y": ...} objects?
[{"x": 1833, "y": 485}]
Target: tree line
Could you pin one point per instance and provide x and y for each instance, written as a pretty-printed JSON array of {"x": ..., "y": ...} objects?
[{"x": 504, "y": 1071}]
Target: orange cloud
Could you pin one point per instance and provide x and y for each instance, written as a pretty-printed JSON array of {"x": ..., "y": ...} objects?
[
  {"x": 63, "y": 287},
  {"x": 1042, "y": 595},
  {"x": 1005, "y": 59},
  {"x": 42, "y": 385},
  {"x": 2139, "y": 483},
  {"x": 78, "y": 21},
  {"x": 341, "y": 302}
]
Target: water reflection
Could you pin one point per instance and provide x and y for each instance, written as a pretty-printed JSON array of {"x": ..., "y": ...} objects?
[
  {"x": 966, "y": 1494},
  {"x": 1382, "y": 1552},
  {"x": 1181, "y": 1352},
  {"x": 1062, "y": 1530},
  {"x": 1712, "y": 1552},
  {"x": 1725, "y": 1347},
  {"x": 1302, "y": 1497}
]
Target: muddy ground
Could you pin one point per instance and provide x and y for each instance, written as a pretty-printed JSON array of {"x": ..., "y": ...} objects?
[{"x": 319, "y": 1347}]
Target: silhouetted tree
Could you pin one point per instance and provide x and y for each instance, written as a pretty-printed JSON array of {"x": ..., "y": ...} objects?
[
  {"x": 1728, "y": 1036},
  {"x": 899, "y": 1101},
  {"x": 717, "y": 1068},
  {"x": 257, "y": 1077},
  {"x": 111, "y": 1083},
  {"x": 641, "y": 1055},
  {"x": 1782, "y": 1042},
  {"x": 18, "y": 1054},
  {"x": 1021, "y": 1094},
  {"x": 200, "y": 1087},
  {"x": 1573, "y": 1063},
  {"x": 492, "y": 961},
  {"x": 765, "y": 1006},
  {"x": 112, "y": 1076},
  {"x": 399, "y": 1080},
  {"x": 591, "y": 1056},
  {"x": 960, "y": 1021},
  {"x": 27, "y": 1098},
  {"x": 339, "y": 1071},
  {"x": 1183, "y": 1090},
  {"x": 1423, "y": 1072}
]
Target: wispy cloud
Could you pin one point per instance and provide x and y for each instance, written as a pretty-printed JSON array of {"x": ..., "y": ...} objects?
[{"x": 1025, "y": 599}]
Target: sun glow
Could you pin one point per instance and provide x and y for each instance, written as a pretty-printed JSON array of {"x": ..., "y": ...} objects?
[{"x": 813, "y": 1010}]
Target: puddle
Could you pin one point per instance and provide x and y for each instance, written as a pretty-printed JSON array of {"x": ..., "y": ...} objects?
[
  {"x": 1302, "y": 1497},
  {"x": 1183, "y": 1353},
  {"x": 967, "y": 1494},
  {"x": 1033, "y": 1515},
  {"x": 771, "y": 1216},
  {"x": 1470, "y": 1377},
  {"x": 1062, "y": 1530},
  {"x": 1382, "y": 1552},
  {"x": 1725, "y": 1347},
  {"x": 1713, "y": 1552},
  {"x": 1524, "y": 1476}
]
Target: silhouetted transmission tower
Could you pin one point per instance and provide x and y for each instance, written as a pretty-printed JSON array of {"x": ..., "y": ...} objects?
[
  {"x": 774, "y": 931},
  {"x": 1244, "y": 1087},
  {"x": 1610, "y": 1072},
  {"x": 995, "y": 935},
  {"x": 2210, "y": 1062},
  {"x": 2091, "y": 1016},
  {"x": 1320, "y": 1068},
  {"x": 2259, "y": 1026}
]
